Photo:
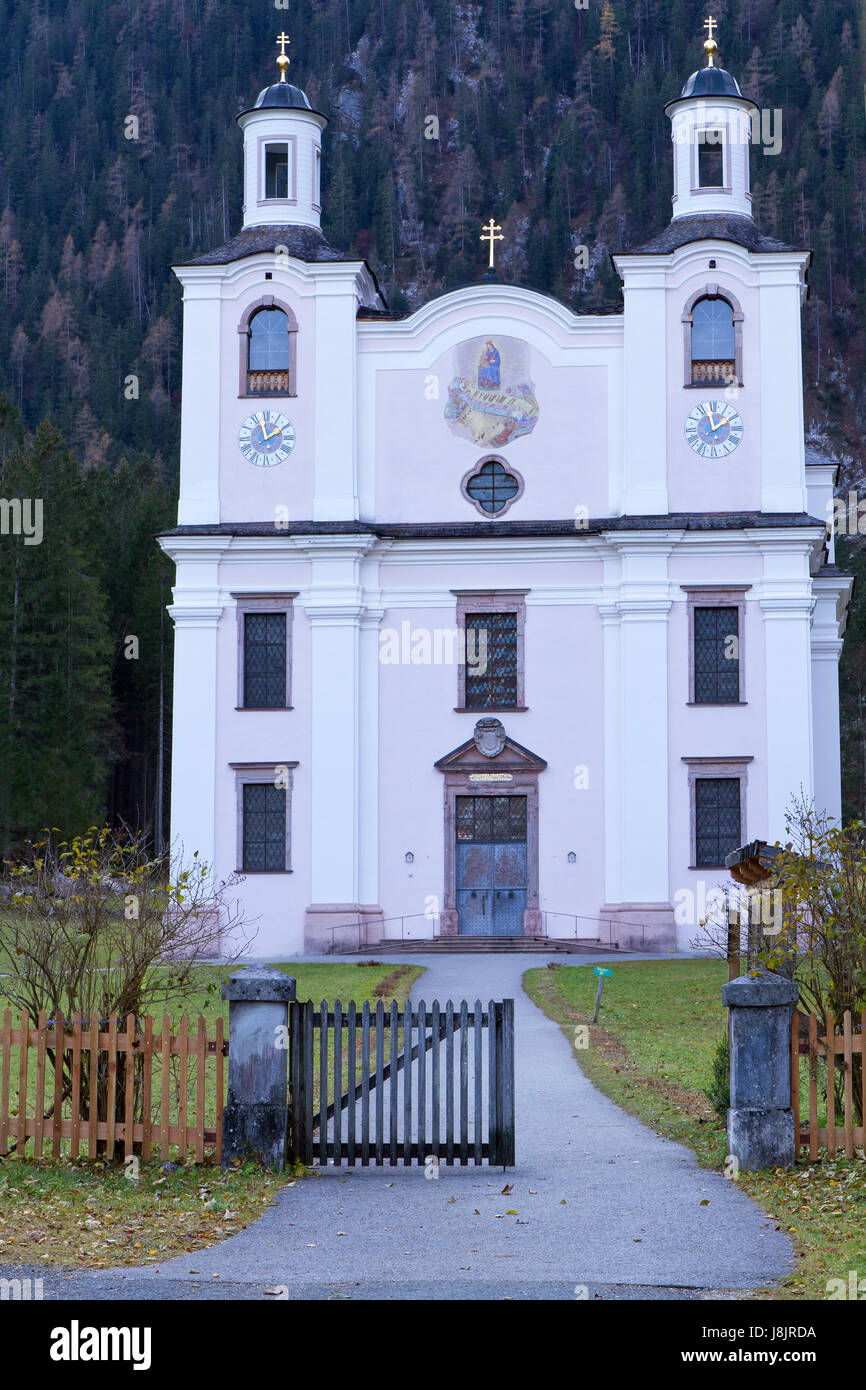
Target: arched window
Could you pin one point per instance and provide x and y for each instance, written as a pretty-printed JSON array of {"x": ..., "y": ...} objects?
[
  {"x": 268, "y": 360},
  {"x": 713, "y": 340}
]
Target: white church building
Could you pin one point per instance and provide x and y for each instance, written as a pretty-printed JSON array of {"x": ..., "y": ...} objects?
[{"x": 495, "y": 619}]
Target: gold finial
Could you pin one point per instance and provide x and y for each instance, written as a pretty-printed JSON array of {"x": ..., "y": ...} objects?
[
  {"x": 711, "y": 48},
  {"x": 283, "y": 60},
  {"x": 490, "y": 234}
]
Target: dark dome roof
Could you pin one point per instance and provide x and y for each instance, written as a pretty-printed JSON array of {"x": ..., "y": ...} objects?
[
  {"x": 282, "y": 94},
  {"x": 711, "y": 82}
]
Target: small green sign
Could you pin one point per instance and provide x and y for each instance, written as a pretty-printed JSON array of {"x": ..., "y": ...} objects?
[{"x": 601, "y": 970}]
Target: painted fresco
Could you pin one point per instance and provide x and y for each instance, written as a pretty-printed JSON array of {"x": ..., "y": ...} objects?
[{"x": 491, "y": 400}]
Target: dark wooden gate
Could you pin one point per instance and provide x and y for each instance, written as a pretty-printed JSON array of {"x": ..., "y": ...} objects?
[{"x": 402, "y": 1085}]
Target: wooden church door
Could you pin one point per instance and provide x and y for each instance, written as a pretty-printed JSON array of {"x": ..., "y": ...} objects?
[{"x": 491, "y": 865}]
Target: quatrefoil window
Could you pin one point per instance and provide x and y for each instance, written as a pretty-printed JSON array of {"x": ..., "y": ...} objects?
[{"x": 491, "y": 487}]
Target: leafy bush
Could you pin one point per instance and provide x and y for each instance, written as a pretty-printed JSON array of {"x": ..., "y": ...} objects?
[{"x": 718, "y": 1093}]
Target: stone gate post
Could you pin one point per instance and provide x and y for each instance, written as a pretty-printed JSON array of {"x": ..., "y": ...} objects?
[
  {"x": 255, "y": 1119},
  {"x": 761, "y": 1118}
]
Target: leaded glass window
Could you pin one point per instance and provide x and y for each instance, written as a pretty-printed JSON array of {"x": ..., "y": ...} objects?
[
  {"x": 264, "y": 660},
  {"x": 269, "y": 341},
  {"x": 492, "y": 487},
  {"x": 716, "y": 656},
  {"x": 491, "y": 660},
  {"x": 717, "y": 819},
  {"x": 264, "y": 828},
  {"x": 713, "y": 330},
  {"x": 491, "y": 819}
]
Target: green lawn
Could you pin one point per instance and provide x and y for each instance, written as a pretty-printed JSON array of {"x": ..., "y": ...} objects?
[{"x": 652, "y": 1051}]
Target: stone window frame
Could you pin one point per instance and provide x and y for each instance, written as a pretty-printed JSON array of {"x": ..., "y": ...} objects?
[
  {"x": 317, "y": 178},
  {"x": 717, "y": 596},
  {"x": 701, "y": 768},
  {"x": 263, "y": 603},
  {"x": 249, "y": 774},
  {"x": 292, "y": 142},
  {"x": 474, "y": 472},
  {"x": 267, "y": 301},
  {"x": 711, "y": 290},
  {"x": 493, "y": 601}
]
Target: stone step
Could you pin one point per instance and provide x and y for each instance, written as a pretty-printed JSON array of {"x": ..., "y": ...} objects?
[{"x": 480, "y": 945}]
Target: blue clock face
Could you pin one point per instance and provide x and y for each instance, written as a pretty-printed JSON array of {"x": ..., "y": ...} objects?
[
  {"x": 713, "y": 429},
  {"x": 266, "y": 438}
]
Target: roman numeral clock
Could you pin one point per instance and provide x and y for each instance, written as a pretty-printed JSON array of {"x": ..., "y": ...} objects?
[
  {"x": 266, "y": 438},
  {"x": 713, "y": 429}
]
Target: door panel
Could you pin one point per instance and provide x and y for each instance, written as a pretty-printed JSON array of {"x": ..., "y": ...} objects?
[{"x": 491, "y": 870}]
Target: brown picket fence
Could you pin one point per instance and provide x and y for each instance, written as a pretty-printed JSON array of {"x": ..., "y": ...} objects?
[
  {"x": 158, "y": 1088},
  {"x": 827, "y": 1054}
]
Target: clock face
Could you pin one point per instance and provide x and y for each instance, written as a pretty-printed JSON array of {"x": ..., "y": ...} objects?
[
  {"x": 266, "y": 438},
  {"x": 713, "y": 429}
]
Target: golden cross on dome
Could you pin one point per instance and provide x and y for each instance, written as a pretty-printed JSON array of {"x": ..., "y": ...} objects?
[
  {"x": 283, "y": 61},
  {"x": 491, "y": 229},
  {"x": 710, "y": 45}
]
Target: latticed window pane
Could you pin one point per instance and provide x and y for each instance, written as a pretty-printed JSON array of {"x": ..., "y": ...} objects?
[
  {"x": 264, "y": 660},
  {"x": 717, "y": 660},
  {"x": 264, "y": 829},
  {"x": 492, "y": 487},
  {"x": 491, "y": 660},
  {"x": 491, "y": 819},
  {"x": 269, "y": 341},
  {"x": 717, "y": 819},
  {"x": 712, "y": 330}
]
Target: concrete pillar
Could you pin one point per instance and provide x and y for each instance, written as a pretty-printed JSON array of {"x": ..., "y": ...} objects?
[
  {"x": 256, "y": 1116},
  {"x": 760, "y": 1118}
]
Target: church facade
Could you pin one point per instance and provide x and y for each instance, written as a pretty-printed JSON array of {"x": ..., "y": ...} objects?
[{"x": 496, "y": 619}]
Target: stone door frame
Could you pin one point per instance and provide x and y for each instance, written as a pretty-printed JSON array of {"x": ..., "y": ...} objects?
[{"x": 512, "y": 772}]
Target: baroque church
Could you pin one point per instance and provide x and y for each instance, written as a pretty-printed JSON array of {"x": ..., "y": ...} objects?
[{"x": 494, "y": 619}]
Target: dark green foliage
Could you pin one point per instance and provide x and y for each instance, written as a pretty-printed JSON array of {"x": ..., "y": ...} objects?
[
  {"x": 550, "y": 118},
  {"x": 718, "y": 1092}
]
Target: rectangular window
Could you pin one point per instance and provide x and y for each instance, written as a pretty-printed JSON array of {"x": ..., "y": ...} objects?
[
  {"x": 264, "y": 632},
  {"x": 264, "y": 828},
  {"x": 317, "y": 178},
  {"x": 716, "y": 633},
  {"x": 717, "y": 820},
  {"x": 264, "y": 661},
  {"x": 716, "y": 656},
  {"x": 491, "y": 660},
  {"x": 276, "y": 171},
  {"x": 710, "y": 160}
]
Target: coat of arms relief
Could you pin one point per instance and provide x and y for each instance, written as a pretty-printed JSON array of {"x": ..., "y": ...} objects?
[{"x": 492, "y": 400}]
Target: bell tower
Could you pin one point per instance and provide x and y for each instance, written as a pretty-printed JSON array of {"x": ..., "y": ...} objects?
[
  {"x": 282, "y": 155},
  {"x": 711, "y": 129}
]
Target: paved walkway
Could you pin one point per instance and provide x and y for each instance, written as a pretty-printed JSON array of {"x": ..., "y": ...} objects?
[{"x": 601, "y": 1201}]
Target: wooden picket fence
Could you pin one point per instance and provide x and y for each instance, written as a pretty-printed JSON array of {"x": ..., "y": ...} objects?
[
  {"x": 817, "y": 1049},
  {"x": 154, "y": 1084}
]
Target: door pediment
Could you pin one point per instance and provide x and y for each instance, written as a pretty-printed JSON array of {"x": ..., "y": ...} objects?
[{"x": 472, "y": 757}]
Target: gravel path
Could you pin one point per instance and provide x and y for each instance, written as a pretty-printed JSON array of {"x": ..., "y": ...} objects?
[{"x": 601, "y": 1202}]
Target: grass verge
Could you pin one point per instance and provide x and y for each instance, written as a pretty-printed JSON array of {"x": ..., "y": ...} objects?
[{"x": 651, "y": 1053}]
